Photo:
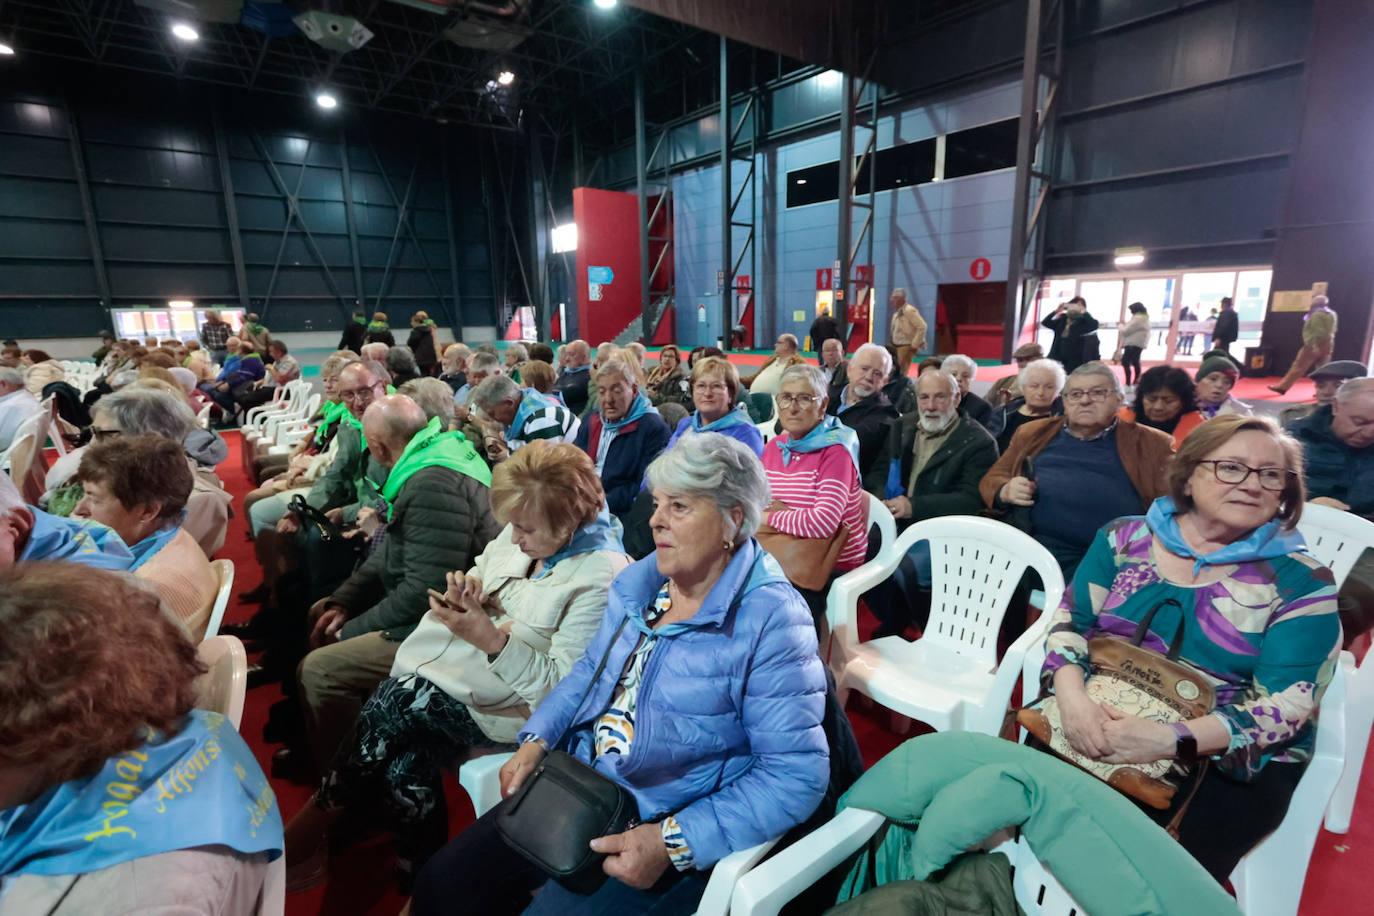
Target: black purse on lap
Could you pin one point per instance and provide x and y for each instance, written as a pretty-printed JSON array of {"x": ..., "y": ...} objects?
[{"x": 562, "y": 806}]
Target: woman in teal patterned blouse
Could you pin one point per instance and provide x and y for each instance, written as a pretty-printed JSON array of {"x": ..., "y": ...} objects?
[{"x": 1260, "y": 621}]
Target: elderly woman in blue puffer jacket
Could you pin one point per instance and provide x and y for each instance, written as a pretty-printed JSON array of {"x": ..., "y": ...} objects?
[{"x": 708, "y": 709}]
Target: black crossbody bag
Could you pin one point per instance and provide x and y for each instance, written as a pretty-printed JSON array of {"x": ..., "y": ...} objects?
[{"x": 565, "y": 804}]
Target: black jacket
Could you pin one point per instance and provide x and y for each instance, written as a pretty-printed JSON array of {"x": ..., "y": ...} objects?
[
  {"x": 871, "y": 419},
  {"x": 948, "y": 484},
  {"x": 1227, "y": 328},
  {"x": 421, "y": 342},
  {"x": 974, "y": 407},
  {"x": 822, "y": 329},
  {"x": 441, "y": 521},
  {"x": 1075, "y": 342},
  {"x": 573, "y": 387},
  {"x": 353, "y": 337}
]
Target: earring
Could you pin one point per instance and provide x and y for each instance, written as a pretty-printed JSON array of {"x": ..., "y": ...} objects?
[{"x": 729, "y": 546}]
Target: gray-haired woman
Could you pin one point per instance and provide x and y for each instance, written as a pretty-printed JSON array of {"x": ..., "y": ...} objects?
[{"x": 711, "y": 666}]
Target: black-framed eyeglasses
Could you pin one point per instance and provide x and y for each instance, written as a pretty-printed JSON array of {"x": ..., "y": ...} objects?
[
  {"x": 101, "y": 435},
  {"x": 1088, "y": 394},
  {"x": 1233, "y": 472}
]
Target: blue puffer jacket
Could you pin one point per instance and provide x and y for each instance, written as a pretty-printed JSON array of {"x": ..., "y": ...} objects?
[
  {"x": 1333, "y": 468},
  {"x": 728, "y": 721}
]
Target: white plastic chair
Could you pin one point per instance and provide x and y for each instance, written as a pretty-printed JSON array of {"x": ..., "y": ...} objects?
[
  {"x": 224, "y": 573},
  {"x": 272, "y": 901},
  {"x": 203, "y": 416},
  {"x": 949, "y": 678},
  {"x": 480, "y": 778},
  {"x": 1337, "y": 539},
  {"x": 768, "y": 887},
  {"x": 880, "y": 517},
  {"x": 221, "y": 689}
]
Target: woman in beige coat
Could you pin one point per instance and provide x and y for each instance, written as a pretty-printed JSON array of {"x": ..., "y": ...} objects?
[{"x": 505, "y": 633}]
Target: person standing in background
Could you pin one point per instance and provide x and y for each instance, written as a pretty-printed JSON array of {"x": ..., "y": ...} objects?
[
  {"x": 256, "y": 333},
  {"x": 824, "y": 328},
  {"x": 1185, "y": 338},
  {"x": 354, "y": 334},
  {"x": 1135, "y": 336},
  {"x": 908, "y": 330},
  {"x": 1075, "y": 334},
  {"x": 214, "y": 336},
  {"x": 1227, "y": 327},
  {"x": 1318, "y": 337},
  {"x": 424, "y": 342}
]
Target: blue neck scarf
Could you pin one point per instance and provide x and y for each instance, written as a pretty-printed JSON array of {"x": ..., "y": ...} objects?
[
  {"x": 638, "y": 408},
  {"x": 147, "y": 548},
  {"x": 601, "y": 533},
  {"x": 737, "y": 417},
  {"x": 1267, "y": 542},
  {"x": 199, "y": 787},
  {"x": 830, "y": 431},
  {"x": 75, "y": 540},
  {"x": 569, "y": 370},
  {"x": 530, "y": 401}
]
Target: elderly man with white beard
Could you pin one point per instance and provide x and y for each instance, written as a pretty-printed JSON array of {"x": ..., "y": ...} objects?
[
  {"x": 860, "y": 404},
  {"x": 931, "y": 465}
]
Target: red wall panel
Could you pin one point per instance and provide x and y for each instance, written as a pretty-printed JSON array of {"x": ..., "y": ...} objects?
[{"x": 607, "y": 237}]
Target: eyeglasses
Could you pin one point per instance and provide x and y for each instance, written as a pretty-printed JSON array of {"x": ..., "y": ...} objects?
[
  {"x": 100, "y": 435},
  {"x": 1078, "y": 395},
  {"x": 710, "y": 387},
  {"x": 358, "y": 394},
  {"x": 1233, "y": 472},
  {"x": 804, "y": 401}
]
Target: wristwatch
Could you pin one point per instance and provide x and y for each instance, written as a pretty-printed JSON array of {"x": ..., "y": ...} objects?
[{"x": 1185, "y": 746}]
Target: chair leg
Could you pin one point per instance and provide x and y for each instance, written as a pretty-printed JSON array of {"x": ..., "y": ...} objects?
[{"x": 1342, "y": 805}]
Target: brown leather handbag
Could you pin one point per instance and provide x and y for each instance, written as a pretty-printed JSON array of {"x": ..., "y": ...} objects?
[
  {"x": 807, "y": 562},
  {"x": 1140, "y": 682}
]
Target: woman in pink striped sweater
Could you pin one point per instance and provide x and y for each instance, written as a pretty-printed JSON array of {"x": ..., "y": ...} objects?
[{"x": 813, "y": 471}]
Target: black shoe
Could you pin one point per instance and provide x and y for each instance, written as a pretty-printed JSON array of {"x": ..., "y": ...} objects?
[
  {"x": 258, "y": 595},
  {"x": 258, "y": 675},
  {"x": 292, "y": 765},
  {"x": 245, "y": 630}
]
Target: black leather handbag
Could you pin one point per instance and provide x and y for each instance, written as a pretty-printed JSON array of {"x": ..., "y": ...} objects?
[{"x": 562, "y": 806}]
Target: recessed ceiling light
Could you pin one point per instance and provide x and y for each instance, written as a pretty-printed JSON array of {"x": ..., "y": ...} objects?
[
  {"x": 185, "y": 32},
  {"x": 605, "y": 4},
  {"x": 6, "y": 50},
  {"x": 326, "y": 100},
  {"x": 801, "y": 181},
  {"x": 505, "y": 78},
  {"x": 180, "y": 304}
]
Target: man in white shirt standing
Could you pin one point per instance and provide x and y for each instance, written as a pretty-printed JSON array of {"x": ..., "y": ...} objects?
[
  {"x": 16, "y": 404},
  {"x": 908, "y": 330}
]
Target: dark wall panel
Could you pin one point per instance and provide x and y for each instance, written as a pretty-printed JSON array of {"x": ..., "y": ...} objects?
[{"x": 153, "y": 172}]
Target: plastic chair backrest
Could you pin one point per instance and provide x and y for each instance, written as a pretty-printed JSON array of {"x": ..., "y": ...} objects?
[
  {"x": 1335, "y": 537},
  {"x": 880, "y": 517},
  {"x": 203, "y": 417},
  {"x": 976, "y": 564},
  {"x": 224, "y": 573},
  {"x": 1036, "y": 890},
  {"x": 761, "y": 408},
  {"x": 222, "y": 687}
]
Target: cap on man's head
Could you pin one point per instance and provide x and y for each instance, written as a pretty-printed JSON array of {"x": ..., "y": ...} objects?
[
  {"x": 1342, "y": 369},
  {"x": 1028, "y": 351},
  {"x": 1218, "y": 362}
]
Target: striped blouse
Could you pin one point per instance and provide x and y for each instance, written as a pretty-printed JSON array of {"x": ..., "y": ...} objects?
[
  {"x": 1266, "y": 635},
  {"x": 822, "y": 491}
]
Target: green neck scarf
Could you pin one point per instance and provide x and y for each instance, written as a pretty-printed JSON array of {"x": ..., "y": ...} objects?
[
  {"x": 427, "y": 323},
  {"x": 378, "y": 326},
  {"x": 433, "y": 447},
  {"x": 360, "y": 320}
]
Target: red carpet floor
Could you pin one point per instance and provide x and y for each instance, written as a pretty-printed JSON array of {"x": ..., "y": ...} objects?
[{"x": 361, "y": 880}]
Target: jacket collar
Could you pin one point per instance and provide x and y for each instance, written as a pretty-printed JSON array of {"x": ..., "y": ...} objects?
[{"x": 750, "y": 568}]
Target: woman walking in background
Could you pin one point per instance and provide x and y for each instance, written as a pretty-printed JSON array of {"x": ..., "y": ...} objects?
[{"x": 1135, "y": 336}]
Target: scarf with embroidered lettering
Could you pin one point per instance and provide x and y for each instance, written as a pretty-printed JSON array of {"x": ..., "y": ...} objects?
[
  {"x": 1267, "y": 542},
  {"x": 638, "y": 408},
  {"x": 75, "y": 540},
  {"x": 433, "y": 447},
  {"x": 199, "y": 787},
  {"x": 737, "y": 417},
  {"x": 830, "y": 431},
  {"x": 601, "y": 533}
]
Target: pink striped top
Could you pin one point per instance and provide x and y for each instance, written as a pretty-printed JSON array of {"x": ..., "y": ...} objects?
[{"x": 822, "y": 490}]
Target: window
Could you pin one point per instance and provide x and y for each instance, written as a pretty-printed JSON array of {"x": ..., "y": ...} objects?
[
  {"x": 981, "y": 149},
  {"x": 903, "y": 166},
  {"x": 813, "y": 185}
]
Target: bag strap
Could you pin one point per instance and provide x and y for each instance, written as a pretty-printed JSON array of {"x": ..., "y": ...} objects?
[
  {"x": 1144, "y": 627},
  {"x": 596, "y": 676}
]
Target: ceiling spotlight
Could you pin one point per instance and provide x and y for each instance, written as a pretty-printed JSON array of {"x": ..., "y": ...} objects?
[
  {"x": 505, "y": 77},
  {"x": 1129, "y": 257},
  {"x": 801, "y": 181},
  {"x": 185, "y": 32},
  {"x": 6, "y": 50},
  {"x": 326, "y": 100},
  {"x": 605, "y": 4}
]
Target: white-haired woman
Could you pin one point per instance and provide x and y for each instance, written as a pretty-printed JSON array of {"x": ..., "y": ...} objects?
[
  {"x": 711, "y": 691},
  {"x": 813, "y": 470},
  {"x": 965, "y": 370},
  {"x": 1040, "y": 382}
]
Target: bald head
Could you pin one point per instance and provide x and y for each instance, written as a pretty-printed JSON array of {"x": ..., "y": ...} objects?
[
  {"x": 577, "y": 353},
  {"x": 389, "y": 424}
]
